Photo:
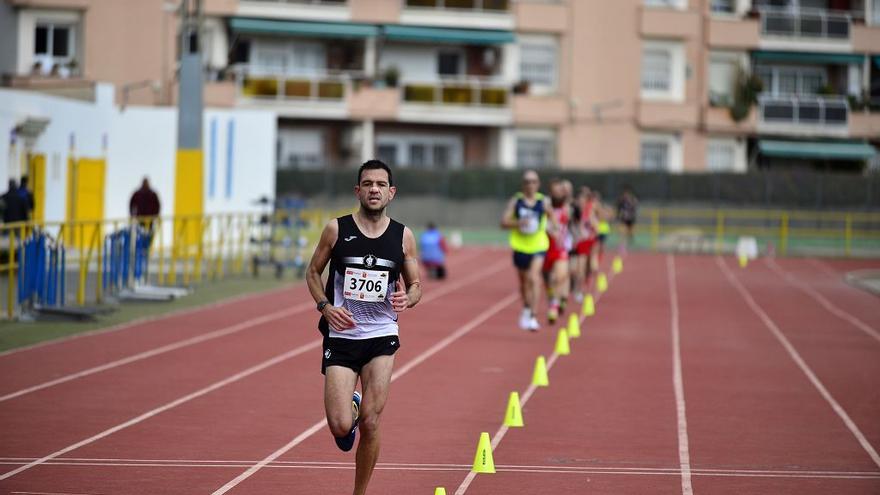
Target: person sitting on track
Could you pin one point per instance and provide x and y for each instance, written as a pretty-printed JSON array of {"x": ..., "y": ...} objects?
[
  {"x": 433, "y": 249},
  {"x": 368, "y": 252}
]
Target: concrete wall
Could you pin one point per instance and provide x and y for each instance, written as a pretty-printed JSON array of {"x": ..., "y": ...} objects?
[
  {"x": 139, "y": 142},
  {"x": 8, "y": 38}
]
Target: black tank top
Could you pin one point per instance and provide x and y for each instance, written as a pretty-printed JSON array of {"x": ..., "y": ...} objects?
[{"x": 363, "y": 274}]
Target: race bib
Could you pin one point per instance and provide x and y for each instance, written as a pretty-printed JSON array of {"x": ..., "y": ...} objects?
[
  {"x": 528, "y": 221},
  {"x": 365, "y": 285}
]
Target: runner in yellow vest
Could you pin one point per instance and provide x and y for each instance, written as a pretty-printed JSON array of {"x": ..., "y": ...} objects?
[{"x": 526, "y": 218}]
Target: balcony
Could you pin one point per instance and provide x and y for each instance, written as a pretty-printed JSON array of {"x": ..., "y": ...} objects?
[
  {"x": 326, "y": 10},
  {"x": 493, "y": 6},
  {"x": 804, "y": 114},
  {"x": 801, "y": 25},
  {"x": 456, "y": 100},
  {"x": 313, "y": 94},
  {"x": 480, "y": 14}
]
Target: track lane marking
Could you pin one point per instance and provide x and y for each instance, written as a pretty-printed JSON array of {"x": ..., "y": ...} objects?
[{"x": 796, "y": 357}]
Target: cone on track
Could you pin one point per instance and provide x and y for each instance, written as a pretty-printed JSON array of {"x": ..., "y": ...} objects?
[
  {"x": 439, "y": 491},
  {"x": 617, "y": 265},
  {"x": 483, "y": 462},
  {"x": 574, "y": 326},
  {"x": 562, "y": 346},
  {"x": 539, "y": 377},
  {"x": 601, "y": 282},
  {"x": 513, "y": 416},
  {"x": 589, "y": 306},
  {"x": 743, "y": 261}
]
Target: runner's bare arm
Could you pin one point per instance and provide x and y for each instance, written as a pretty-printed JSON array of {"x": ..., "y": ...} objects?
[
  {"x": 508, "y": 221},
  {"x": 408, "y": 297},
  {"x": 339, "y": 318}
]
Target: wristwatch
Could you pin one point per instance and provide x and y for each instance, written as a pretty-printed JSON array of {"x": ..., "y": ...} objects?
[{"x": 322, "y": 304}]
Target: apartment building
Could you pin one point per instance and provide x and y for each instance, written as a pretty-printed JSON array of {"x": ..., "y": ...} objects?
[{"x": 675, "y": 85}]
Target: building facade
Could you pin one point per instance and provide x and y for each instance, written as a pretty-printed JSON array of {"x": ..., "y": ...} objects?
[{"x": 674, "y": 85}]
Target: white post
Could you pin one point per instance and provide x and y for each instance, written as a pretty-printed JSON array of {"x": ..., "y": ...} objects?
[
  {"x": 507, "y": 147},
  {"x": 368, "y": 139},
  {"x": 370, "y": 57}
]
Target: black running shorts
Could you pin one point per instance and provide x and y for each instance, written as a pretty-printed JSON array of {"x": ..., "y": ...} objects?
[{"x": 355, "y": 354}]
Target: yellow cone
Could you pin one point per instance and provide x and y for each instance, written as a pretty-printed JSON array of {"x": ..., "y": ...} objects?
[
  {"x": 617, "y": 265},
  {"x": 574, "y": 326},
  {"x": 601, "y": 282},
  {"x": 562, "y": 347},
  {"x": 483, "y": 462},
  {"x": 589, "y": 306},
  {"x": 539, "y": 377},
  {"x": 513, "y": 416},
  {"x": 743, "y": 261},
  {"x": 439, "y": 491}
]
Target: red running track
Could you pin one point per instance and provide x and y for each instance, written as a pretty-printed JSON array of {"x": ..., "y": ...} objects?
[{"x": 777, "y": 393}]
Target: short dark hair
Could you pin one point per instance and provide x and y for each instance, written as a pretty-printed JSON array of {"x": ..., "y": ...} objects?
[{"x": 375, "y": 165}]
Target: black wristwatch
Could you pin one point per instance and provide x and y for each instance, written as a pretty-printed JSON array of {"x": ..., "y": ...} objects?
[{"x": 322, "y": 304}]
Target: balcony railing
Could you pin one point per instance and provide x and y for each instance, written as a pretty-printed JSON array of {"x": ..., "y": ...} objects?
[
  {"x": 265, "y": 83},
  {"x": 469, "y": 5},
  {"x": 466, "y": 91},
  {"x": 304, "y": 2},
  {"x": 806, "y": 23},
  {"x": 804, "y": 110}
]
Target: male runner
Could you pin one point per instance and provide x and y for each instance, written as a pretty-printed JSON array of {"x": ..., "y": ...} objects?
[
  {"x": 526, "y": 218},
  {"x": 587, "y": 228},
  {"x": 555, "y": 267},
  {"x": 367, "y": 252}
]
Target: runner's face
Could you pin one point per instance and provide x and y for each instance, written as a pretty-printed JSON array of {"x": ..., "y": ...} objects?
[
  {"x": 374, "y": 191},
  {"x": 530, "y": 184}
]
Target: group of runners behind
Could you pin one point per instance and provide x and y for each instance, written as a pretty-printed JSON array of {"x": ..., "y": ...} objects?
[{"x": 558, "y": 242}]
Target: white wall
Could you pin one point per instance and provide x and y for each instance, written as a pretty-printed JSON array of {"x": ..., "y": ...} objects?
[{"x": 138, "y": 142}]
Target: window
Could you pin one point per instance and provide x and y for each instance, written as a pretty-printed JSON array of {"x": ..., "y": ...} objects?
[
  {"x": 535, "y": 152},
  {"x": 53, "y": 42},
  {"x": 723, "y": 6},
  {"x": 721, "y": 155},
  {"x": 678, "y": 4},
  {"x": 387, "y": 153},
  {"x": 783, "y": 81},
  {"x": 537, "y": 61},
  {"x": 654, "y": 155},
  {"x": 722, "y": 78},
  {"x": 449, "y": 63},
  {"x": 656, "y": 70}
]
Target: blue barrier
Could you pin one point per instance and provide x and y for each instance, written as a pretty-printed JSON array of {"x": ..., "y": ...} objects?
[{"x": 40, "y": 275}]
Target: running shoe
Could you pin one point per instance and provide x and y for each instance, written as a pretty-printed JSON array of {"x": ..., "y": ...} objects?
[
  {"x": 562, "y": 305},
  {"x": 534, "y": 326},
  {"x": 347, "y": 442},
  {"x": 525, "y": 318},
  {"x": 579, "y": 297},
  {"x": 553, "y": 314}
]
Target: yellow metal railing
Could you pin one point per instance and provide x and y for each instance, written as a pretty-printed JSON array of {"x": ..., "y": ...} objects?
[
  {"x": 224, "y": 242},
  {"x": 845, "y": 228}
]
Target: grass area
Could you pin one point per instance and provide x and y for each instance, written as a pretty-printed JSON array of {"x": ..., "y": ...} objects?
[{"x": 18, "y": 334}]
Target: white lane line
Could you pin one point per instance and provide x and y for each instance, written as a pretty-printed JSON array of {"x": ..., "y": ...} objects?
[
  {"x": 502, "y": 430},
  {"x": 74, "y": 461},
  {"x": 265, "y": 364},
  {"x": 825, "y": 268},
  {"x": 170, "y": 405},
  {"x": 587, "y": 470},
  {"x": 149, "y": 319},
  {"x": 684, "y": 457},
  {"x": 828, "y": 305},
  {"x": 222, "y": 332},
  {"x": 771, "y": 325},
  {"x": 439, "y": 346}
]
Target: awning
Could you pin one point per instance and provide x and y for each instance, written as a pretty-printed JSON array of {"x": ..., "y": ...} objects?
[
  {"x": 319, "y": 29},
  {"x": 820, "y": 150},
  {"x": 443, "y": 35},
  {"x": 808, "y": 57}
]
